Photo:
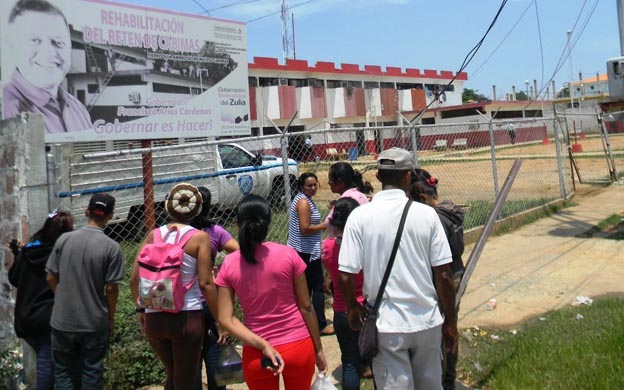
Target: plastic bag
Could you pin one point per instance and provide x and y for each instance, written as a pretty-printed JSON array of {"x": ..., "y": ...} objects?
[
  {"x": 322, "y": 382},
  {"x": 230, "y": 367}
]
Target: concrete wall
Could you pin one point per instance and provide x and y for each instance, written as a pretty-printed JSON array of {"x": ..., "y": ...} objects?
[{"x": 23, "y": 205}]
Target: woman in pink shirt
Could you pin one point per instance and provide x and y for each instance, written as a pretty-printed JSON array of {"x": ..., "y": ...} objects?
[
  {"x": 347, "y": 182},
  {"x": 280, "y": 323}
]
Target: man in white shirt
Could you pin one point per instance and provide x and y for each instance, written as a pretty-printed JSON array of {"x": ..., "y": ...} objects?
[{"x": 417, "y": 308}]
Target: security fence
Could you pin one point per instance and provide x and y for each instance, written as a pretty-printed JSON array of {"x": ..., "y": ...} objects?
[
  {"x": 470, "y": 160},
  {"x": 596, "y": 146}
]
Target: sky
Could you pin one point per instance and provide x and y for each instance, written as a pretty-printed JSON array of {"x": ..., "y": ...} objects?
[{"x": 438, "y": 34}]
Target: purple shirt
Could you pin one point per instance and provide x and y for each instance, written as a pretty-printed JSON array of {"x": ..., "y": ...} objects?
[
  {"x": 62, "y": 114},
  {"x": 218, "y": 238}
]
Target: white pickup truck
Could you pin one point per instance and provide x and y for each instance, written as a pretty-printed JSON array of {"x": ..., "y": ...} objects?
[{"x": 228, "y": 170}]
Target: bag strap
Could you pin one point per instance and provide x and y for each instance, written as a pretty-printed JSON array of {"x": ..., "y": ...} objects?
[
  {"x": 397, "y": 240},
  {"x": 186, "y": 236}
]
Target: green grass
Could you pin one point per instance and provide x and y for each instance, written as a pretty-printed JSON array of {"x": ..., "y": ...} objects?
[
  {"x": 478, "y": 212},
  {"x": 558, "y": 352}
]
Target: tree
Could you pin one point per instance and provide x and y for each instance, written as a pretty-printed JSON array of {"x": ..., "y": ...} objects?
[
  {"x": 563, "y": 93},
  {"x": 472, "y": 96},
  {"x": 521, "y": 96}
]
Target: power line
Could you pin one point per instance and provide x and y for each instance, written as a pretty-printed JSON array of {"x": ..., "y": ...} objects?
[
  {"x": 567, "y": 50},
  {"x": 504, "y": 39},
  {"x": 468, "y": 57}
]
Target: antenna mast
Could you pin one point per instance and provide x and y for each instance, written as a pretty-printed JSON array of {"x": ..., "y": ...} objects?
[{"x": 287, "y": 38}]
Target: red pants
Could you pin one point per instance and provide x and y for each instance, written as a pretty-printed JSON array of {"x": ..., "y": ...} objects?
[{"x": 299, "y": 361}]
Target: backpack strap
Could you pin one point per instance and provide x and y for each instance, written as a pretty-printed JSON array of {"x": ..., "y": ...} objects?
[{"x": 186, "y": 235}]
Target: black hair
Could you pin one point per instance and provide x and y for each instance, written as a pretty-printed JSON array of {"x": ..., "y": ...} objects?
[
  {"x": 342, "y": 210},
  {"x": 303, "y": 177},
  {"x": 56, "y": 224},
  {"x": 203, "y": 221},
  {"x": 253, "y": 215},
  {"x": 343, "y": 171},
  {"x": 389, "y": 177},
  {"x": 41, "y": 6},
  {"x": 423, "y": 183}
]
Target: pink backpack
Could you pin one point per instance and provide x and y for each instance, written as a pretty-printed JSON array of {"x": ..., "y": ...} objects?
[{"x": 160, "y": 272}]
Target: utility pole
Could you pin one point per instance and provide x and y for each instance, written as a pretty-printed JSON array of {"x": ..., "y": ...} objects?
[
  {"x": 620, "y": 12},
  {"x": 571, "y": 76}
]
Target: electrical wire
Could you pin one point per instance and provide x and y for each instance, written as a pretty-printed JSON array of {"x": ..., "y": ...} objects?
[
  {"x": 567, "y": 50},
  {"x": 504, "y": 39},
  {"x": 467, "y": 59},
  {"x": 279, "y": 12}
]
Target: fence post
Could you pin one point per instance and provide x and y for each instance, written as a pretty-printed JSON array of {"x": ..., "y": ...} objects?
[
  {"x": 492, "y": 148},
  {"x": 556, "y": 129},
  {"x": 607, "y": 147},
  {"x": 415, "y": 134},
  {"x": 284, "y": 152},
  {"x": 148, "y": 187},
  {"x": 52, "y": 182}
]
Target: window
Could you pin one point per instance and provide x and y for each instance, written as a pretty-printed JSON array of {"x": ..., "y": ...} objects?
[
  {"x": 387, "y": 85},
  {"x": 371, "y": 84},
  {"x": 92, "y": 88},
  {"x": 233, "y": 157},
  {"x": 267, "y": 81},
  {"x": 253, "y": 81},
  {"x": 409, "y": 86},
  {"x": 170, "y": 88},
  {"x": 126, "y": 80}
]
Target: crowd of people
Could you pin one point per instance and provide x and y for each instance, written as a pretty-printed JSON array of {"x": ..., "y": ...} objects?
[{"x": 67, "y": 286}]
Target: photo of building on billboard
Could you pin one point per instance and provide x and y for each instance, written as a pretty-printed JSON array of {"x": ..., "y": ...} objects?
[{"x": 98, "y": 70}]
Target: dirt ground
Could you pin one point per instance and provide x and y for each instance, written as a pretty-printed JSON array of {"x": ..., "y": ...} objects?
[{"x": 466, "y": 176}]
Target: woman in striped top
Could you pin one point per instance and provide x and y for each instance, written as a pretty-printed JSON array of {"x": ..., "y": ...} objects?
[{"x": 304, "y": 235}]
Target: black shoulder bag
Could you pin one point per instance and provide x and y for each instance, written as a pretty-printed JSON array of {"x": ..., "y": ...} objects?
[{"x": 368, "y": 342}]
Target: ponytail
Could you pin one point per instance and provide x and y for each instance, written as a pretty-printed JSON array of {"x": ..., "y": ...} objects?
[
  {"x": 364, "y": 187},
  {"x": 254, "y": 219}
]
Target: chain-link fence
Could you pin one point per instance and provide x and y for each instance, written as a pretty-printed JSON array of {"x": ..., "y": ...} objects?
[
  {"x": 471, "y": 161},
  {"x": 596, "y": 147}
]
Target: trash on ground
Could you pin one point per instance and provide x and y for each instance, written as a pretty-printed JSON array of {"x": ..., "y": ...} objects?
[
  {"x": 582, "y": 300},
  {"x": 579, "y": 316},
  {"x": 478, "y": 367},
  {"x": 483, "y": 333},
  {"x": 491, "y": 304},
  {"x": 495, "y": 337},
  {"x": 542, "y": 318},
  {"x": 513, "y": 331}
]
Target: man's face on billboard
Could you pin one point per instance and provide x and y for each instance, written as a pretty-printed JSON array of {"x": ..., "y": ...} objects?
[{"x": 41, "y": 47}]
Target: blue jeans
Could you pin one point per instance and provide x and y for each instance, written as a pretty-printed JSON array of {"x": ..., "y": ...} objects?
[
  {"x": 350, "y": 354},
  {"x": 211, "y": 352},
  {"x": 314, "y": 278},
  {"x": 79, "y": 359},
  {"x": 45, "y": 366}
]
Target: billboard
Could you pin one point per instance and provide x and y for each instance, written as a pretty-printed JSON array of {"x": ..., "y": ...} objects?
[{"x": 99, "y": 70}]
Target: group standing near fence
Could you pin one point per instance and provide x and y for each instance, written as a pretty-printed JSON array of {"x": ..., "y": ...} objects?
[{"x": 185, "y": 305}]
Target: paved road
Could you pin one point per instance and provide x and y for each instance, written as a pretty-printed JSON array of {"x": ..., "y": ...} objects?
[{"x": 546, "y": 264}]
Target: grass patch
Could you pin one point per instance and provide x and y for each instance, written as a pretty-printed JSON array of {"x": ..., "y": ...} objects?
[
  {"x": 611, "y": 228},
  {"x": 478, "y": 212},
  {"x": 562, "y": 351}
]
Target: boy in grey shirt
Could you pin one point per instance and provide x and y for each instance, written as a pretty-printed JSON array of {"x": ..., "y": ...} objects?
[{"x": 83, "y": 270}]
